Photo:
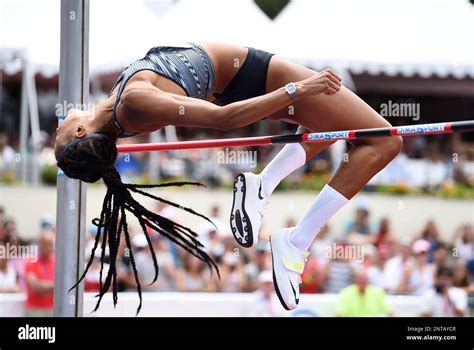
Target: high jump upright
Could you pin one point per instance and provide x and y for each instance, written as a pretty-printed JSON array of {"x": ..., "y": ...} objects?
[{"x": 71, "y": 194}]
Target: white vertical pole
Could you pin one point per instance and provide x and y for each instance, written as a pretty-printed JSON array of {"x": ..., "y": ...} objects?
[
  {"x": 71, "y": 194},
  {"x": 24, "y": 127},
  {"x": 34, "y": 121},
  {"x": 154, "y": 158}
]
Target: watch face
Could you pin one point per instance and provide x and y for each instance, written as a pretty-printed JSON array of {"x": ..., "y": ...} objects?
[{"x": 291, "y": 88}]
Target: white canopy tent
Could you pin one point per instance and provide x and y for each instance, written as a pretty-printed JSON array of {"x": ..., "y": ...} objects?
[
  {"x": 408, "y": 37},
  {"x": 405, "y": 37},
  {"x": 124, "y": 30},
  {"x": 114, "y": 24},
  {"x": 29, "y": 43},
  {"x": 234, "y": 21},
  {"x": 120, "y": 31}
]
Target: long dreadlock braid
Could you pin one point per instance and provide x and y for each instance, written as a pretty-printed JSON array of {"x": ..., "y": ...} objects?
[{"x": 93, "y": 158}]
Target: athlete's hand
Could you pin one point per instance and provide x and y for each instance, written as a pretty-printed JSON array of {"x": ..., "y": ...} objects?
[{"x": 327, "y": 82}]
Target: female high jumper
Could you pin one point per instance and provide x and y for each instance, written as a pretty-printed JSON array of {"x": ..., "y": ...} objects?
[{"x": 223, "y": 86}]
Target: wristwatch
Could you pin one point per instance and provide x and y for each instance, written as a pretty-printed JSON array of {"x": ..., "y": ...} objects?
[{"x": 290, "y": 89}]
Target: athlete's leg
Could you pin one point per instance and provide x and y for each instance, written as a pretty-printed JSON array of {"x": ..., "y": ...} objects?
[
  {"x": 341, "y": 111},
  {"x": 291, "y": 157}
]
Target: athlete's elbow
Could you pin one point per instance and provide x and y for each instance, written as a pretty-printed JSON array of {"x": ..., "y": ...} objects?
[
  {"x": 229, "y": 124},
  {"x": 223, "y": 121},
  {"x": 225, "y": 126}
]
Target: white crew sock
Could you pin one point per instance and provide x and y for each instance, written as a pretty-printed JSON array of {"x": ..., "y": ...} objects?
[
  {"x": 290, "y": 158},
  {"x": 326, "y": 204}
]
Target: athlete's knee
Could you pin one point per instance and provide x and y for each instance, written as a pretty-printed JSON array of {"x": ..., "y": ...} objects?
[
  {"x": 397, "y": 144},
  {"x": 380, "y": 151},
  {"x": 387, "y": 149},
  {"x": 391, "y": 146},
  {"x": 394, "y": 146}
]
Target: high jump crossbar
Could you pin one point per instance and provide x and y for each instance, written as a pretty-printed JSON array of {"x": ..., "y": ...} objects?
[{"x": 329, "y": 136}]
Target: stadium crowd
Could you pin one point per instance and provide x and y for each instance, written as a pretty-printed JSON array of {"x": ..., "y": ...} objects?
[
  {"x": 362, "y": 265},
  {"x": 425, "y": 162}
]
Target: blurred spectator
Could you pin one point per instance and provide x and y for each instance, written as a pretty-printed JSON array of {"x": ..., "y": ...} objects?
[
  {"x": 360, "y": 224},
  {"x": 167, "y": 276},
  {"x": 8, "y": 275},
  {"x": 211, "y": 240},
  {"x": 394, "y": 268},
  {"x": 384, "y": 236},
  {"x": 322, "y": 245},
  {"x": 265, "y": 302},
  {"x": 338, "y": 271},
  {"x": 192, "y": 276},
  {"x": 9, "y": 236},
  {"x": 312, "y": 277},
  {"x": 90, "y": 238},
  {"x": 418, "y": 277},
  {"x": 2, "y": 218},
  {"x": 46, "y": 157},
  {"x": 430, "y": 233},
  {"x": 7, "y": 156},
  {"x": 166, "y": 211},
  {"x": 464, "y": 242},
  {"x": 146, "y": 267},
  {"x": 2, "y": 221},
  {"x": 232, "y": 273},
  {"x": 374, "y": 265},
  {"x": 92, "y": 278},
  {"x": 9, "y": 231},
  {"x": 40, "y": 278},
  {"x": 222, "y": 228},
  {"x": 212, "y": 234},
  {"x": 464, "y": 280},
  {"x": 362, "y": 299},
  {"x": 125, "y": 277},
  {"x": 47, "y": 222},
  {"x": 169, "y": 212},
  {"x": 19, "y": 262},
  {"x": 291, "y": 222},
  {"x": 260, "y": 261},
  {"x": 440, "y": 255},
  {"x": 446, "y": 300},
  {"x": 129, "y": 166}
]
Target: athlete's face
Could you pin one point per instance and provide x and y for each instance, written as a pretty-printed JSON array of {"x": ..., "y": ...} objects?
[{"x": 75, "y": 125}]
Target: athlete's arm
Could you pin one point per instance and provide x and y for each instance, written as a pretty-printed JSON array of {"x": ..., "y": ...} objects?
[{"x": 155, "y": 107}]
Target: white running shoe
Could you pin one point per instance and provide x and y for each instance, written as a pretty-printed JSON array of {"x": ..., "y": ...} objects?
[
  {"x": 248, "y": 206},
  {"x": 288, "y": 264}
]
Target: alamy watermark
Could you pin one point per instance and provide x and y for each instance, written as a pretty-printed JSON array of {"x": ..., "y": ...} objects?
[
  {"x": 400, "y": 110},
  {"x": 228, "y": 156},
  {"x": 62, "y": 109},
  {"x": 37, "y": 333},
  {"x": 345, "y": 252},
  {"x": 29, "y": 252}
]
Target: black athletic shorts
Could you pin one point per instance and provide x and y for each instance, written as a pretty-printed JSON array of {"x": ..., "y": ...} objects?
[{"x": 250, "y": 81}]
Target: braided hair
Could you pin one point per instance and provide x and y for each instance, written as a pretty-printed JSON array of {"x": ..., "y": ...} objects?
[{"x": 92, "y": 158}]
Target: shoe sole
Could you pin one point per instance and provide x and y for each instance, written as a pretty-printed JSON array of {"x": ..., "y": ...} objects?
[
  {"x": 275, "y": 284},
  {"x": 239, "y": 220}
]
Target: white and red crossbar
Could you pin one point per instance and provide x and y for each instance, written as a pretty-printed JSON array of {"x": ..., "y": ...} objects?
[{"x": 407, "y": 130}]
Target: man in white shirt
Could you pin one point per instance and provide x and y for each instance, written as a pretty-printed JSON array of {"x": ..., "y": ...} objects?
[
  {"x": 445, "y": 300},
  {"x": 264, "y": 302},
  {"x": 393, "y": 270}
]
